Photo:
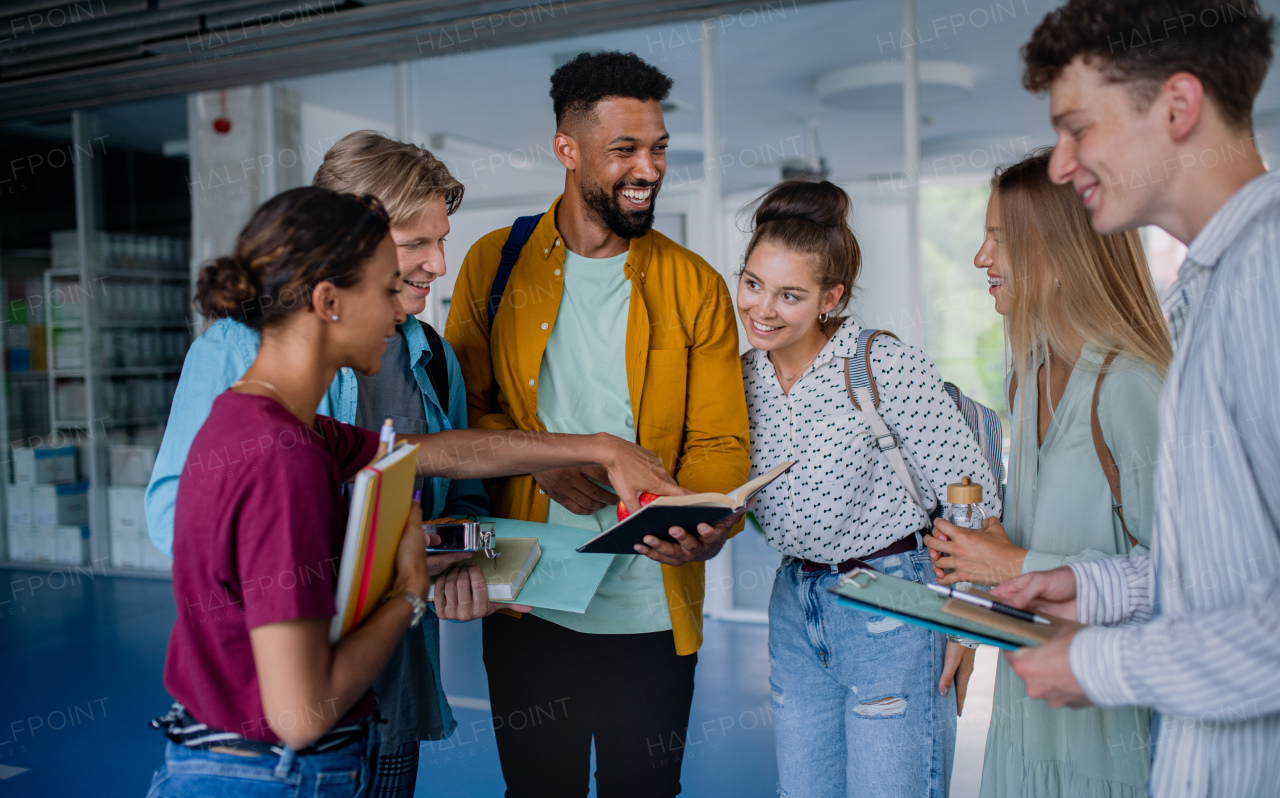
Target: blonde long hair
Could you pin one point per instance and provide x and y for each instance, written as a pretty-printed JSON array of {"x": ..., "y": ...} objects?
[{"x": 1068, "y": 282}]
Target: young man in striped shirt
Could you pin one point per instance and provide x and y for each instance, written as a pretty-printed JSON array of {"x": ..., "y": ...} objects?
[{"x": 1152, "y": 102}]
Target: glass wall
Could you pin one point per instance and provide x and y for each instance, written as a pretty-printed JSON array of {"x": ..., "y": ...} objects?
[
  {"x": 487, "y": 114},
  {"x": 101, "y": 365},
  {"x": 95, "y": 263}
]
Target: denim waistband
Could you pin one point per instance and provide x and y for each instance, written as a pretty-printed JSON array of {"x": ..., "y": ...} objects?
[{"x": 182, "y": 728}]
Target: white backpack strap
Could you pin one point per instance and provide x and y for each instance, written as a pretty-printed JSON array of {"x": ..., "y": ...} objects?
[
  {"x": 861, "y": 385},
  {"x": 887, "y": 443}
]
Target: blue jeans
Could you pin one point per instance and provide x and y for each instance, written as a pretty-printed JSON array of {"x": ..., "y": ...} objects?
[
  {"x": 855, "y": 696},
  {"x": 341, "y": 773}
]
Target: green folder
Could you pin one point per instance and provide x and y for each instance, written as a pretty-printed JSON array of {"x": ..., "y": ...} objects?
[
  {"x": 563, "y": 579},
  {"x": 912, "y": 602}
]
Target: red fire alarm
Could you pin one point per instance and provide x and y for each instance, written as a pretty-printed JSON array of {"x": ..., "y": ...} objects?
[{"x": 222, "y": 125}]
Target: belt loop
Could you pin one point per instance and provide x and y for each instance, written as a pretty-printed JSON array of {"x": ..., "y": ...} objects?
[
  {"x": 286, "y": 763},
  {"x": 919, "y": 538}
]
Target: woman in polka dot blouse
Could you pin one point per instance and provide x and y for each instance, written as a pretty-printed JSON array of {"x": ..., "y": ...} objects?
[{"x": 863, "y": 704}]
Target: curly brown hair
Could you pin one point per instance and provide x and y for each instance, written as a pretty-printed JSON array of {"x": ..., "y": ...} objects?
[{"x": 1226, "y": 44}]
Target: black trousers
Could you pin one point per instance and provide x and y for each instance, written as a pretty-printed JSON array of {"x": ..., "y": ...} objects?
[{"x": 553, "y": 689}]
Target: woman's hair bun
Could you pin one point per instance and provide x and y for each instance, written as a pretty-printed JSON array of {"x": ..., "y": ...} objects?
[
  {"x": 225, "y": 289},
  {"x": 820, "y": 202},
  {"x": 811, "y": 218},
  {"x": 292, "y": 243}
]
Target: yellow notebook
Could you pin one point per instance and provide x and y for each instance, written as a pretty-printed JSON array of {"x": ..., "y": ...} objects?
[{"x": 380, "y": 502}]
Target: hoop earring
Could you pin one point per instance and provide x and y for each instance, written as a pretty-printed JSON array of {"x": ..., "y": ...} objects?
[{"x": 822, "y": 317}]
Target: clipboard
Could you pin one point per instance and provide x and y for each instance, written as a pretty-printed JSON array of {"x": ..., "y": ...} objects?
[{"x": 911, "y": 602}]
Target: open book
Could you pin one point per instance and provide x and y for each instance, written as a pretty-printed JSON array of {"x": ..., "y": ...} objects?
[
  {"x": 380, "y": 503},
  {"x": 686, "y": 512},
  {"x": 505, "y": 574}
]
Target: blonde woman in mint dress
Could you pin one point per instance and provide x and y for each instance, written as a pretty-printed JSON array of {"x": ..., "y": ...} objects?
[{"x": 1075, "y": 303}]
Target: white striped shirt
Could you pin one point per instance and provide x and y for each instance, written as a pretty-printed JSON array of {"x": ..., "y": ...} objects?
[{"x": 1199, "y": 618}]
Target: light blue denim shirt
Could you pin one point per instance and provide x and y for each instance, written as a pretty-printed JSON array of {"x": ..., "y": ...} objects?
[{"x": 223, "y": 354}]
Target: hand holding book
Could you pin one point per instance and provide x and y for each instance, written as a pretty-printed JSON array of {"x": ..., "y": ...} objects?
[
  {"x": 411, "y": 572},
  {"x": 703, "y": 521},
  {"x": 463, "y": 595},
  {"x": 689, "y": 547}
]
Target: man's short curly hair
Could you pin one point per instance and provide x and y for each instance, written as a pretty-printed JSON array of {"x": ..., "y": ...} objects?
[
  {"x": 577, "y": 86},
  {"x": 1226, "y": 44}
]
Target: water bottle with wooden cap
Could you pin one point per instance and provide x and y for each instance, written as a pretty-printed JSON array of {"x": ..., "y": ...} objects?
[{"x": 964, "y": 509}]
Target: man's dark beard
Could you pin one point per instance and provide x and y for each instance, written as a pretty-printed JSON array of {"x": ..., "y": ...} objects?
[{"x": 624, "y": 224}]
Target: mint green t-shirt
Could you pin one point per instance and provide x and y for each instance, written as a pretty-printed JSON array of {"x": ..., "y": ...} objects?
[{"x": 583, "y": 389}]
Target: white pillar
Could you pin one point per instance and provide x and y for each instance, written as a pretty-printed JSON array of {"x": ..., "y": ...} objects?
[
  {"x": 265, "y": 131},
  {"x": 88, "y": 223},
  {"x": 404, "y": 100},
  {"x": 915, "y": 332},
  {"x": 713, "y": 186},
  {"x": 719, "y": 571}
]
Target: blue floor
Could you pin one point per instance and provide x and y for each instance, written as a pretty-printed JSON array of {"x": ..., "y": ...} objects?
[{"x": 81, "y": 657}]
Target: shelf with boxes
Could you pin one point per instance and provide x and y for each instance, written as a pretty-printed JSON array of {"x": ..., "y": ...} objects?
[
  {"x": 131, "y": 545},
  {"x": 117, "y": 331},
  {"x": 104, "y": 332},
  {"x": 48, "y": 507}
]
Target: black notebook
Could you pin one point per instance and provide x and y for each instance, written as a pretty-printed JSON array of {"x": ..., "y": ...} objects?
[{"x": 685, "y": 512}]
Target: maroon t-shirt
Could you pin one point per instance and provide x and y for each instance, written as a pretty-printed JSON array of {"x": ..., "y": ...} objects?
[{"x": 257, "y": 538}]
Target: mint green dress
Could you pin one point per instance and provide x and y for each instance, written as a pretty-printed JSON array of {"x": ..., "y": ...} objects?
[{"x": 1058, "y": 506}]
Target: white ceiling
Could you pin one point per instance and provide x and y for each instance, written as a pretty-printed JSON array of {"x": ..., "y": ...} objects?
[
  {"x": 770, "y": 60},
  {"x": 493, "y": 104}
]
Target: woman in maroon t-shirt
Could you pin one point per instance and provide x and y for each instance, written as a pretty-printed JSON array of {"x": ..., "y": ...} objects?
[{"x": 262, "y": 699}]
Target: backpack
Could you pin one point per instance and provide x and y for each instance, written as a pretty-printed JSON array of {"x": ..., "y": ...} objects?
[
  {"x": 1105, "y": 459},
  {"x": 516, "y": 239},
  {"x": 437, "y": 367},
  {"x": 981, "y": 420}
]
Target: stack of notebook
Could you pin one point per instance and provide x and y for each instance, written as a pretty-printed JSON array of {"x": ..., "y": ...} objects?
[{"x": 380, "y": 504}]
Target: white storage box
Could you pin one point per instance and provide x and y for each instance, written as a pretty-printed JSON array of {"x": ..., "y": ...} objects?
[
  {"x": 71, "y": 545},
  {"x": 44, "y": 465},
  {"x": 132, "y": 465},
  {"x": 126, "y": 550},
  {"x": 126, "y": 513},
  {"x": 46, "y": 543},
  {"x": 22, "y": 542},
  {"x": 60, "y": 505},
  {"x": 152, "y": 558},
  {"x": 19, "y": 504}
]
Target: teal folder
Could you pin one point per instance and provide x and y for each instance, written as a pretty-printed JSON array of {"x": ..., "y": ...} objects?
[
  {"x": 563, "y": 579},
  {"x": 914, "y": 603}
]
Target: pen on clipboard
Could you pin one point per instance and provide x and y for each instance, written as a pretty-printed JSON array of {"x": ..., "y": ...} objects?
[{"x": 994, "y": 606}]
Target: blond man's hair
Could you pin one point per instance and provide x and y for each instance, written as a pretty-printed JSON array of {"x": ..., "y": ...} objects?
[{"x": 405, "y": 177}]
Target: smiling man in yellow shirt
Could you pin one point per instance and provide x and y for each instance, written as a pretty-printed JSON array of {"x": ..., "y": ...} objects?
[{"x": 605, "y": 325}]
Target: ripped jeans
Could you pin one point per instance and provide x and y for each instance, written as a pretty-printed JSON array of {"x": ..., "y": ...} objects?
[{"x": 855, "y": 696}]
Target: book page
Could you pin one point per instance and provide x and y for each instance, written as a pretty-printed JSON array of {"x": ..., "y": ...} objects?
[
  {"x": 732, "y": 500},
  {"x": 743, "y": 494}
]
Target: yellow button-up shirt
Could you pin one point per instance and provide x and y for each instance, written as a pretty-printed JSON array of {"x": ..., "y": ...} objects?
[{"x": 683, "y": 373}]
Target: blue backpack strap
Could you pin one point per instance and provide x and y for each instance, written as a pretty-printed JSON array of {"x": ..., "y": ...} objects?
[
  {"x": 516, "y": 239},
  {"x": 858, "y": 368},
  {"x": 984, "y": 423}
]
